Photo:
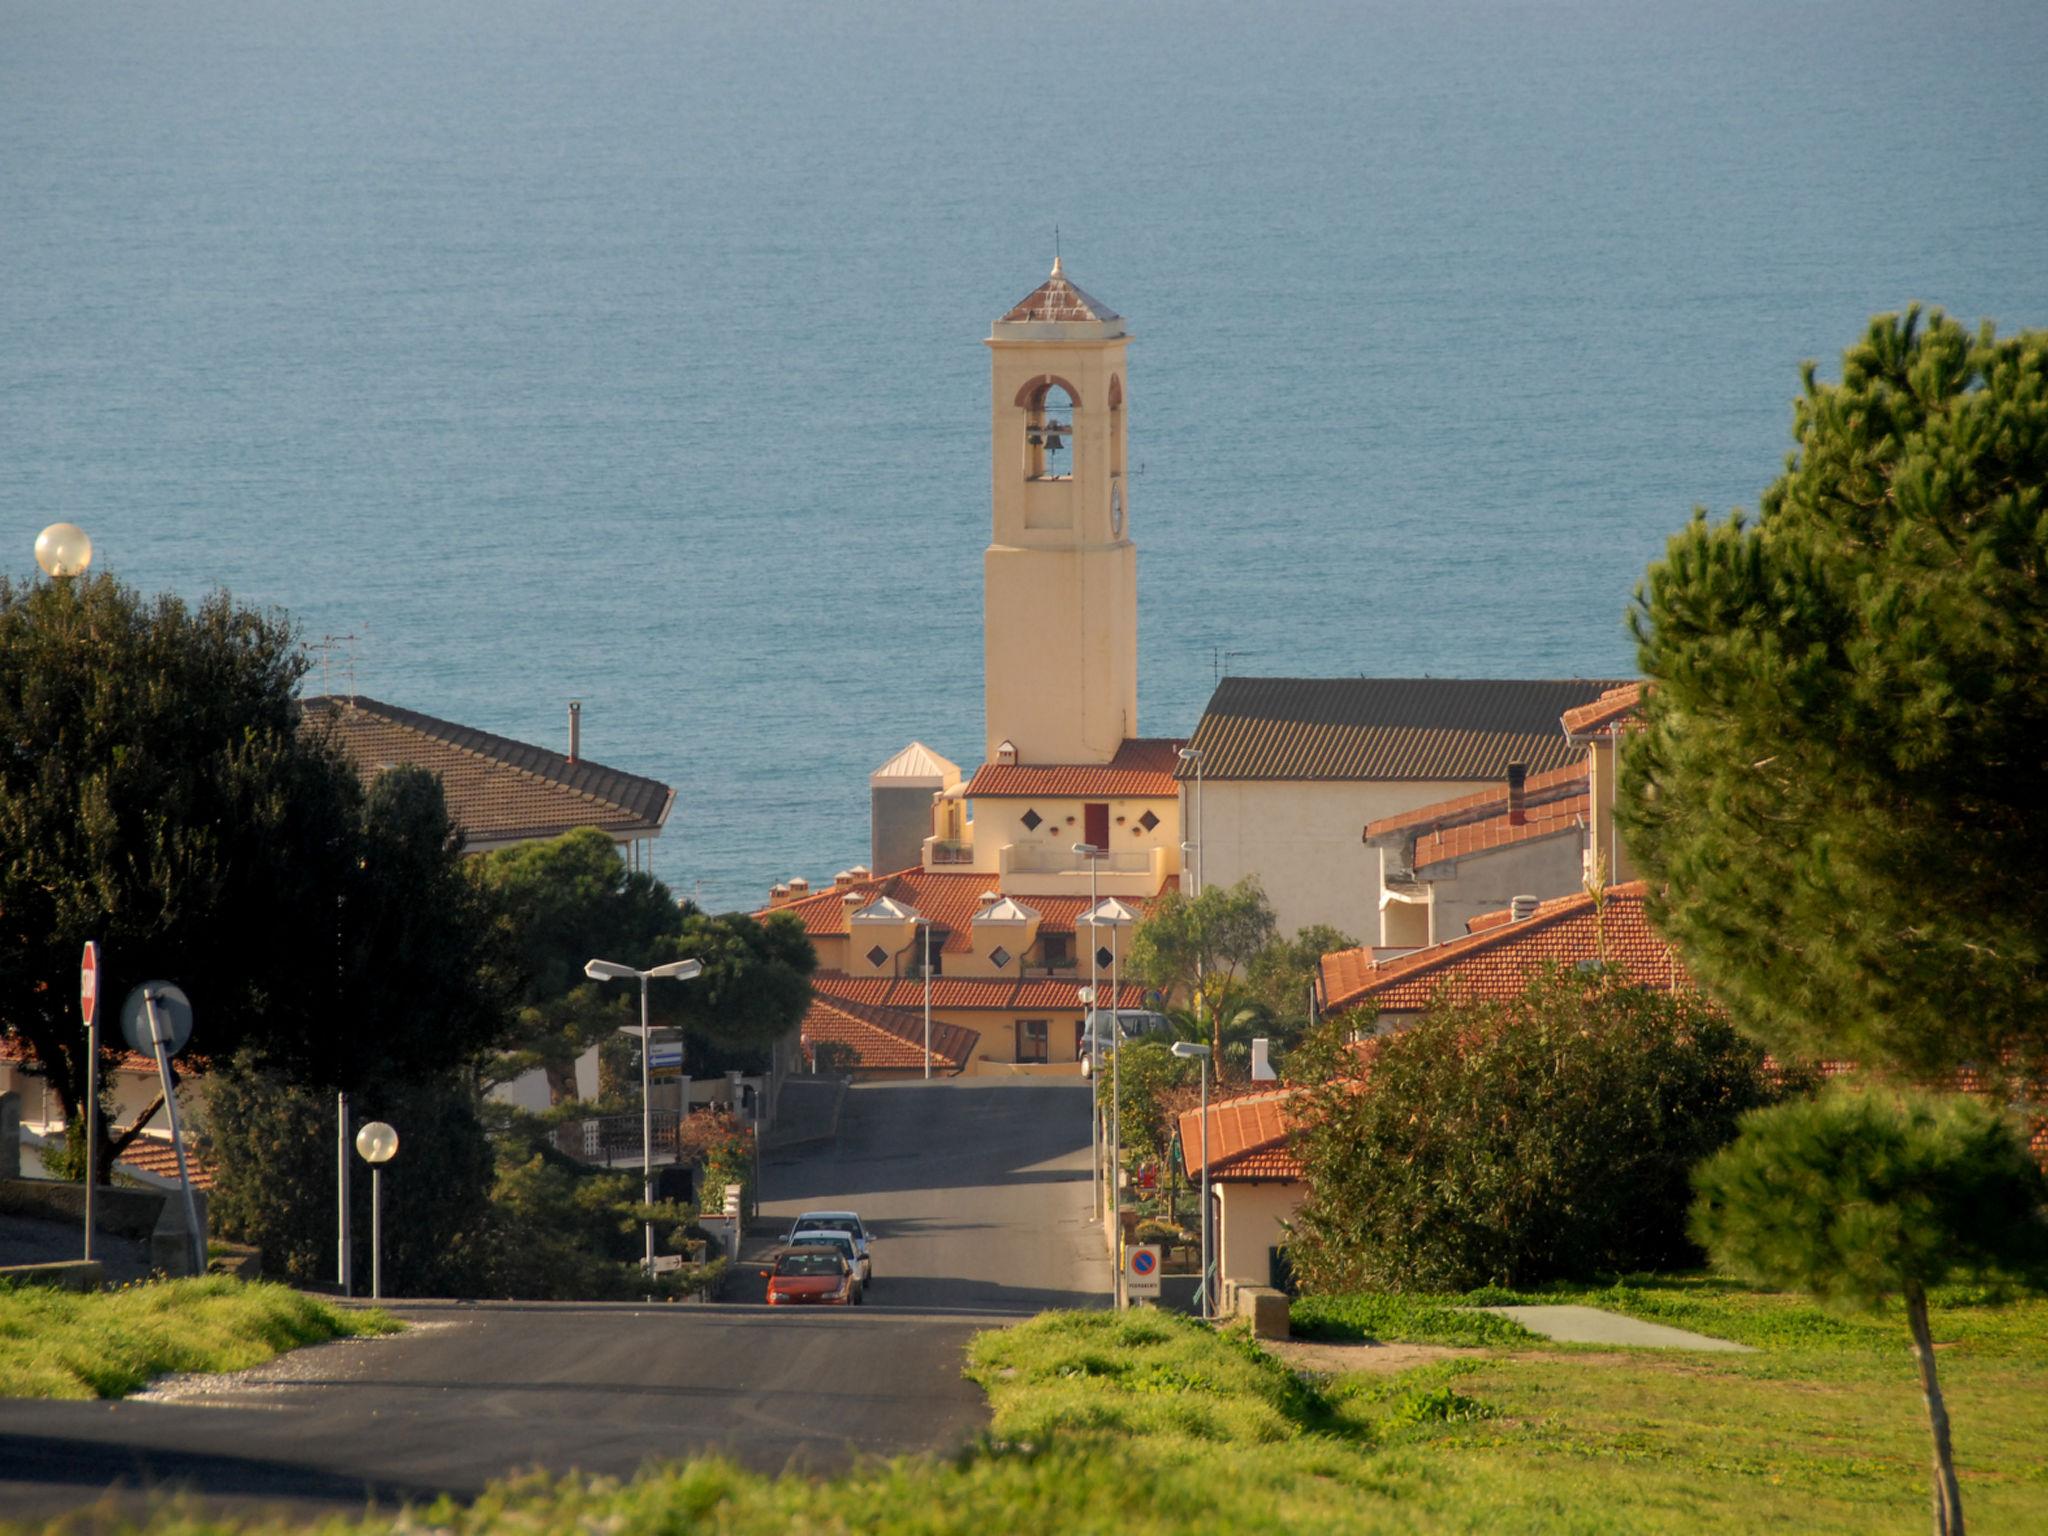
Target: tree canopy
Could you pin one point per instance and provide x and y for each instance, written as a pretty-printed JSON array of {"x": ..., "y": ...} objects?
[
  {"x": 1838, "y": 788},
  {"x": 157, "y": 795},
  {"x": 1549, "y": 1135},
  {"x": 1864, "y": 1198}
]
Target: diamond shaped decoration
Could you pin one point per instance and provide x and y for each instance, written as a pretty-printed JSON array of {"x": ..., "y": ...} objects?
[
  {"x": 1148, "y": 821},
  {"x": 877, "y": 955},
  {"x": 1032, "y": 821},
  {"x": 999, "y": 957},
  {"x": 1104, "y": 958}
]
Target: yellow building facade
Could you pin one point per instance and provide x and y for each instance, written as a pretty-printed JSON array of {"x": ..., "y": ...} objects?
[{"x": 995, "y": 906}]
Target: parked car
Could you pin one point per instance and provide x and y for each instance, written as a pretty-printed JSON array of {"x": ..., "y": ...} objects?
[
  {"x": 842, "y": 1243},
  {"x": 1103, "y": 1026},
  {"x": 813, "y": 1274},
  {"x": 841, "y": 1221}
]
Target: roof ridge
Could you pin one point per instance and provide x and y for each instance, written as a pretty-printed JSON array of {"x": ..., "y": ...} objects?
[
  {"x": 1420, "y": 962},
  {"x": 477, "y": 743}
]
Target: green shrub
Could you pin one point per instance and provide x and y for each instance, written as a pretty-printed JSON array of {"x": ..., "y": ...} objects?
[
  {"x": 1509, "y": 1143},
  {"x": 1407, "y": 1319}
]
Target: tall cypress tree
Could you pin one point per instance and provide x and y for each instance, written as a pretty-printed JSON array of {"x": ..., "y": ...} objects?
[{"x": 1841, "y": 790}]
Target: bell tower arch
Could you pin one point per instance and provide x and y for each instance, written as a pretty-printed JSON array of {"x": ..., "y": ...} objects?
[{"x": 1060, "y": 614}]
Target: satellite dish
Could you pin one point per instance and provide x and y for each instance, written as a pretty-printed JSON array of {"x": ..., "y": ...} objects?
[{"x": 173, "y": 1011}]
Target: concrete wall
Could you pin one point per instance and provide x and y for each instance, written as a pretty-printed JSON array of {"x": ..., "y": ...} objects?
[
  {"x": 1304, "y": 842},
  {"x": 899, "y": 820},
  {"x": 1488, "y": 881},
  {"x": 1250, "y": 1223},
  {"x": 1060, "y": 618}
]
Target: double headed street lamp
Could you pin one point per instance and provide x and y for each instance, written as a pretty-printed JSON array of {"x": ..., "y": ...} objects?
[
  {"x": 1186, "y": 1050},
  {"x": 1090, "y": 1025},
  {"x": 1113, "y": 915},
  {"x": 675, "y": 970}
]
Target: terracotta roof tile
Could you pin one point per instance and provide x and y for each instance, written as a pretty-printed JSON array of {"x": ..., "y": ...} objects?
[
  {"x": 1057, "y": 299},
  {"x": 1499, "y": 960},
  {"x": 1537, "y": 789},
  {"x": 965, "y": 993},
  {"x": 886, "y": 1038},
  {"x": 950, "y": 898},
  {"x": 1247, "y": 1138},
  {"x": 157, "y": 1157},
  {"x": 1380, "y": 728},
  {"x": 1612, "y": 707},
  {"x": 1141, "y": 770},
  {"x": 498, "y": 790},
  {"x": 1501, "y": 832}
]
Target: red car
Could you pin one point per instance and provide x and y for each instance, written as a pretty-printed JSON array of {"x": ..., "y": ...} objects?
[{"x": 811, "y": 1274}]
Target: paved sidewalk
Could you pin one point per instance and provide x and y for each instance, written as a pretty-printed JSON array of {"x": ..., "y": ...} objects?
[{"x": 1591, "y": 1325}]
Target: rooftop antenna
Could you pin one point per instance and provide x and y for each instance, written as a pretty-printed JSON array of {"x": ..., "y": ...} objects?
[{"x": 326, "y": 645}]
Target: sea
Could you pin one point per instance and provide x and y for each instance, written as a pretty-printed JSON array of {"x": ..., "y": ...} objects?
[{"x": 631, "y": 352}]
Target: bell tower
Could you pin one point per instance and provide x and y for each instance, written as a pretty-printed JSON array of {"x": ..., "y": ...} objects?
[{"x": 1060, "y": 613}]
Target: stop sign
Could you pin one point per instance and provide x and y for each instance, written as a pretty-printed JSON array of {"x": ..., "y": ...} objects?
[{"x": 89, "y": 982}]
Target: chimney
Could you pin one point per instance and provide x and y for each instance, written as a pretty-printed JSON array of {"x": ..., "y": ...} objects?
[
  {"x": 1262, "y": 1062},
  {"x": 798, "y": 887},
  {"x": 778, "y": 895},
  {"x": 1523, "y": 907},
  {"x": 575, "y": 730},
  {"x": 1518, "y": 778}
]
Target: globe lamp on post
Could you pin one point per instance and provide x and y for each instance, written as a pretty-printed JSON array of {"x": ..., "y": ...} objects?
[
  {"x": 376, "y": 1144},
  {"x": 63, "y": 550}
]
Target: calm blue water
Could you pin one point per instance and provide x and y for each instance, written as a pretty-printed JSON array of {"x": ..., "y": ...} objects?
[{"x": 632, "y": 351}]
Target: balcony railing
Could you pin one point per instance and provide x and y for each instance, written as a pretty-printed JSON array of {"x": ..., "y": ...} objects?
[
  {"x": 1040, "y": 859},
  {"x": 945, "y": 851}
]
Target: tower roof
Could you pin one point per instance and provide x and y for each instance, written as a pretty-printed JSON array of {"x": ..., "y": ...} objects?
[
  {"x": 919, "y": 766},
  {"x": 1057, "y": 310}
]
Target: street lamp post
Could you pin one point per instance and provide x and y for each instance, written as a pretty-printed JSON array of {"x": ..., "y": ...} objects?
[
  {"x": 1186, "y": 1049},
  {"x": 1114, "y": 915},
  {"x": 1089, "y": 1019},
  {"x": 924, "y": 930},
  {"x": 675, "y": 970},
  {"x": 1193, "y": 755},
  {"x": 377, "y": 1144}
]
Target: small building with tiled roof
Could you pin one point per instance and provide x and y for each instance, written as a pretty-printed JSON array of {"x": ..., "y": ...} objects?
[
  {"x": 1285, "y": 771},
  {"x": 1255, "y": 1178},
  {"x": 1502, "y": 955},
  {"x": 874, "y": 1041},
  {"x": 1442, "y": 865},
  {"x": 499, "y": 791},
  {"x": 1007, "y": 969}
]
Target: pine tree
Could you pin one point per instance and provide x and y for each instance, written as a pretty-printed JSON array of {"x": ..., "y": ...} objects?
[{"x": 1840, "y": 789}]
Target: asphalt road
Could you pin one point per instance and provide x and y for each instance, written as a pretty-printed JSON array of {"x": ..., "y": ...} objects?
[{"x": 979, "y": 1193}]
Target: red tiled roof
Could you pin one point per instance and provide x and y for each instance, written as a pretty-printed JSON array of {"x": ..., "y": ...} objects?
[
  {"x": 1501, "y": 832},
  {"x": 1056, "y": 299},
  {"x": 1612, "y": 707},
  {"x": 1247, "y": 1138},
  {"x": 886, "y": 1038},
  {"x": 1141, "y": 770},
  {"x": 965, "y": 993},
  {"x": 949, "y": 898},
  {"x": 1500, "y": 959},
  {"x": 498, "y": 790},
  {"x": 152, "y": 1155},
  {"x": 1539, "y": 789}
]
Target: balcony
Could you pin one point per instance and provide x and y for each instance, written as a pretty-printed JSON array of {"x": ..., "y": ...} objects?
[
  {"x": 949, "y": 852},
  {"x": 1048, "y": 869}
]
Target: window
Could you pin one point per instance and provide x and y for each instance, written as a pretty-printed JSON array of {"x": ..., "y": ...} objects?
[
  {"x": 1056, "y": 951},
  {"x": 1049, "y": 434},
  {"x": 1032, "y": 1037}
]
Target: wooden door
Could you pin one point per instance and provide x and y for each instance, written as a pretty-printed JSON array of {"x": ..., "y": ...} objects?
[{"x": 1095, "y": 825}]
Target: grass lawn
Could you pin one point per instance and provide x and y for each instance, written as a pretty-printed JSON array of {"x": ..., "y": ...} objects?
[
  {"x": 1149, "y": 1424},
  {"x": 108, "y": 1343}
]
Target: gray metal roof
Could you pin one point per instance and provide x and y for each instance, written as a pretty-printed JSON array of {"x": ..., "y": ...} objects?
[{"x": 1377, "y": 728}]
